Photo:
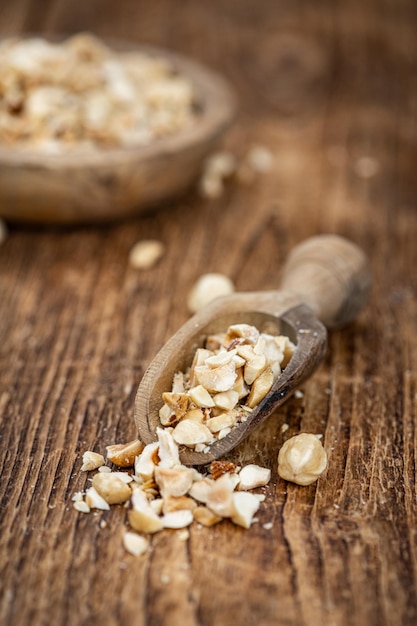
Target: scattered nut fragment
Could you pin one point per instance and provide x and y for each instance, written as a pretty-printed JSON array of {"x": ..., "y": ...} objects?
[
  {"x": 145, "y": 463},
  {"x": 124, "y": 454},
  {"x": 177, "y": 503},
  {"x": 168, "y": 453},
  {"x": 366, "y": 167},
  {"x": 200, "y": 490},
  {"x": 260, "y": 159},
  {"x": 111, "y": 488},
  {"x": 224, "y": 165},
  {"x": 204, "y": 516},
  {"x": 302, "y": 459},
  {"x": 135, "y": 544},
  {"x": 218, "y": 167},
  {"x": 146, "y": 253},
  {"x": 81, "y": 506},
  {"x": 174, "y": 481},
  {"x": 95, "y": 500},
  {"x": 245, "y": 506},
  {"x": 252, "y": 476},
  {"x": 141, "y": 515},
  {"x": 207, "y": 288},
  {"x": 178, "y": 519},
  {"x": 220, "y": 496},
  {"x": 91, "y": 461}
]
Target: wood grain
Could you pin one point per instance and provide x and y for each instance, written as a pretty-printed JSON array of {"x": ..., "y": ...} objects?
[{"x": 330, "y": 89}]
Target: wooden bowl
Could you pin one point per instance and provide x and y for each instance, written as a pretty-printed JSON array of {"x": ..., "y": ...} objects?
[{"x": 115, "y": 183}]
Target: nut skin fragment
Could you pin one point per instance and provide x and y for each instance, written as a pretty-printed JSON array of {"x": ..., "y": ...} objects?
[
  {"x": 124, "y": 454},
  {"x": 111, "y": 488},
  {"x": 302, "y": 459},
  {"x": 218, "y": 468}
]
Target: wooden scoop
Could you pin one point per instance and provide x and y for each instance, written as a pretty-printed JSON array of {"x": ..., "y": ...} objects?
[{"x": 325, "y": 278}]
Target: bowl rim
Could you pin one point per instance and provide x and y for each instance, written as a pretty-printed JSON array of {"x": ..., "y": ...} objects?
[{"x": 219, "y": 108}]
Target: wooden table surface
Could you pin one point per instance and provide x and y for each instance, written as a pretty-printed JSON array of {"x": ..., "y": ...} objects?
[{"x": 330, "y": 88}]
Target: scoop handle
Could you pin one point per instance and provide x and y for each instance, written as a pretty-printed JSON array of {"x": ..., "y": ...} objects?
[{"x": 331, "y": 275}]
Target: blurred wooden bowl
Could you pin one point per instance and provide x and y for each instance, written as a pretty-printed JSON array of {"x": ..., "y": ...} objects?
[{"x": 116, "y": 183}]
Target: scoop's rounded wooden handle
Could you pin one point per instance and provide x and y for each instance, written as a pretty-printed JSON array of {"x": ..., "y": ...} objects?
[{"x": 331, "y": 275}]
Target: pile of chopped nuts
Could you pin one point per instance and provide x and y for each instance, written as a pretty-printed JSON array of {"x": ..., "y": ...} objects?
[
  {"x": 79, "y": 93},
  {"x": 227, "y": 379},
  {"x": 163, "y": 493}
]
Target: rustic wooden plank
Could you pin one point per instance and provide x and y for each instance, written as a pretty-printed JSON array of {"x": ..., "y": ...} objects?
[{"x": 331, "y": 90}]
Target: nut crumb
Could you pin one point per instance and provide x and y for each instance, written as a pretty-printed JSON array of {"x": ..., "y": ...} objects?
[
  {"x": 146, "y": 253},
  {"x": 183, "y": 535},
  {"x": 208, "y": 287},
  {"x": 268, "y": 525},
  {"x": 366, "y": 167},
  {"x": 81, "y": 506}
]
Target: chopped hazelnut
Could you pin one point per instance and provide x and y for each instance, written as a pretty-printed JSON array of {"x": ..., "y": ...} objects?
[
  {"x": 91, "y": 461},
  {"x": 135, "y": 544},
  {"x": 124, "y": 454},
  {"x": 252, "y": 476},
  {"x": 111, "y": 488}
]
